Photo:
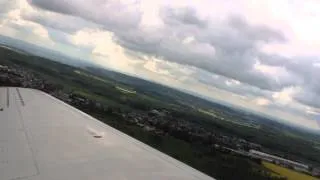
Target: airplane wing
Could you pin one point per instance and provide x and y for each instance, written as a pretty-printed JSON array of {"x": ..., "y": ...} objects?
[{"x": 42, "y": 138}]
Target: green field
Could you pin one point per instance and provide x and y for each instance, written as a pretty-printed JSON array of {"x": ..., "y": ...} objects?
[
  {"x": 229, "y": 120},
  {"x": 288, "y": 173}
]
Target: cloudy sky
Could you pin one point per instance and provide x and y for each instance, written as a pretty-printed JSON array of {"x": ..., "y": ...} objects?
[{"x": 261, "y": 55}]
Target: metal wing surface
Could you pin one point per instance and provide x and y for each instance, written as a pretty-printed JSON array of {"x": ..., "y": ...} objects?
[{"x": 42, "y": 138}]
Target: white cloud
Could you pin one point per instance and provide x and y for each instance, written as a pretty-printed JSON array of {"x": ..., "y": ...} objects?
[
  {"x": 285, "y": 96},
  {"x": 15, "y": 26},
  {"x": 260, "y": 101},
  {"x": 103, "y": 50},
  {"x": 269, "y": 70},
  {"x": 188, "y": 40},
  {"x": 151, "y": 65},
  {"x": 232, "y": 82},
  {"x": 312, "y": 111},
  {"x": 171, "y": 41}
]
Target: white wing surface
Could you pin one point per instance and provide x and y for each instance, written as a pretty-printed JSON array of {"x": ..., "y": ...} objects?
[{"x": 42, "y": 138}]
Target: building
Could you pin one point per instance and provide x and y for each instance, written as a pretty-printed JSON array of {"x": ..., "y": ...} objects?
[
  {"x": 316, "y": 172},
  {"x": 280, "y": 161}
]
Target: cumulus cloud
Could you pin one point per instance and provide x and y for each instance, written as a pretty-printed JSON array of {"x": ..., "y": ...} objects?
[
  {"x": 303, "y": 71},
  {"x": 182, "y": 16},
  {"x": 237, "y": 50},
  {"x": 113, "y": 14},
  {"x": 260, "y": 101},
  {"x": 215, "y": 47},
  {"x": 14, "y": 25}
]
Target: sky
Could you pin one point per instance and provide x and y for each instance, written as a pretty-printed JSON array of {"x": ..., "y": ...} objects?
[{"x": 259, "y": 55}]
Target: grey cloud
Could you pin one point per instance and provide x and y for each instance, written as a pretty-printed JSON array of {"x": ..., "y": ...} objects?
[
  {"x": 22, "y": 28},
  {"x": 305, "y": 75},
  {"x": 310, "y": 94},
  {"x": 64, "y": 23},
  {"x": 220, "y": 82},
  {"x": 58, "y": 36},
  {"x": 256, "y": 32},
  {"x": 181, "y": 16},
  {"x": 218, "y": 48},
  {"x": 64, "y": 7},
  {"x": 113, "y": 15},
  {"x": 309, "y": 98},
  {"x": 301, "y": 66},
  {"x": 304, "y": 67},
  {"x": 273, "y": 59},
  {"x": 254, "y": 92},
  {"x": 290, "y": 109}
]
